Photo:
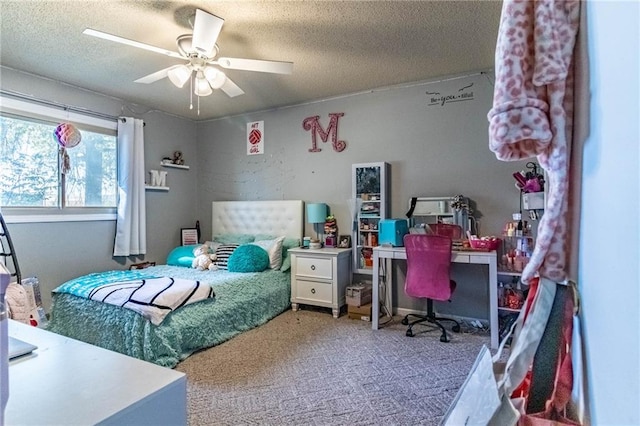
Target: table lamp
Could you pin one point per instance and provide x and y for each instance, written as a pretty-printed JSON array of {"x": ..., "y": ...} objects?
[{"x": 316, "y": 213}]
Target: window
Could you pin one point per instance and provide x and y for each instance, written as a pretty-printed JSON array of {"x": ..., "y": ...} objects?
[{"x": 30, "y": 160}]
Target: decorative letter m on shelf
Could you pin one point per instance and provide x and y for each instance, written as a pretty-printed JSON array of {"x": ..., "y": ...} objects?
[
  {"x": 313, "y": 124},
  {"x": 158, "y": 178}
]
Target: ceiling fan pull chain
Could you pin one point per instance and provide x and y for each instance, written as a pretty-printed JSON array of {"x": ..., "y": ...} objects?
[{"x": 198, "y": 104}]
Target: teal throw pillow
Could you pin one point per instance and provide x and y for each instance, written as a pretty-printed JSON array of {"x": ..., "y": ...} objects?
[
  {"x": 182, "y": 256},
  {"x": 286, "y": 258},
  {"x": 248, "y": 258}
]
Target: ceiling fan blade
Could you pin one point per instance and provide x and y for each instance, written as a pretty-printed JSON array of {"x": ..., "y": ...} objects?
[
  {"x": 256, "y": 65},
  {"x": 231, "y": 89},
  {"x": 206, "y": 29},
  {"x": 151, "y": 78},
  {"x": 111, "y": 37}
]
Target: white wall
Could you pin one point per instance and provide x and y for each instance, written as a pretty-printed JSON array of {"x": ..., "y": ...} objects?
[{"x": 609, "y": 274}]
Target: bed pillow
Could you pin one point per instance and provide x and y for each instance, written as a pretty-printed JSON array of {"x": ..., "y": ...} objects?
[
  {"x": 248, "y": 258},
  {"x": 286, "y": 257},
  {"x": 182, "y": 256},
  {"x": 213, "y": 245},
  {"x": 223, "y": 252},
  {"x": 286, "y": 245},
  {"x": 274, "y": 248},
  {"x": 234, "y": 238}
]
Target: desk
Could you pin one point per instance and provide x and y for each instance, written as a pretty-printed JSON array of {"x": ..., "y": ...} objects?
[
  {"x": 66, "y": 382},
  {"x": 476, "y": 257}
]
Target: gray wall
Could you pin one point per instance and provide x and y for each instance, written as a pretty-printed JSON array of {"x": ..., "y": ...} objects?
[
  {"x": 434, "y": 150},
  {"x": 57, "y": 252}
]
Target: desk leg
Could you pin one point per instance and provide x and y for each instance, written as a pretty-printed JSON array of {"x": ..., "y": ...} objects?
[
  {"x": 375, "y": 293},
  {"x": 388, "y": 286},
  {"x": 493, "y": 301}
]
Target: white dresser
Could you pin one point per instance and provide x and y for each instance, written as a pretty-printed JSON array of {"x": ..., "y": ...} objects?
[
  {"x": 320, "y": 277},
  {"x": 68, "y": 382}
]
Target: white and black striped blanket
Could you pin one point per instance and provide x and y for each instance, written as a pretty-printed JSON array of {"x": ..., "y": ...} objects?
[{"x": 150, "y": 296}]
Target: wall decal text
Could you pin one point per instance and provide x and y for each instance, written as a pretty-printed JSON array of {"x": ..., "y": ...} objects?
[{"x": 461, "y": 95}]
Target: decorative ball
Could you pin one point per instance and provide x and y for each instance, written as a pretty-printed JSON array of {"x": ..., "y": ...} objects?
[
  {"x": 248, "y": 258},
  {"x": 67, "y": 135},
  {"x": 254, "y": 136}
]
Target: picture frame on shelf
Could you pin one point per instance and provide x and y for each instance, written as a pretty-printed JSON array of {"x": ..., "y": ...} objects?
[
  {"x": 344, "y": 241},
  {"x": 188, "y": 236}
]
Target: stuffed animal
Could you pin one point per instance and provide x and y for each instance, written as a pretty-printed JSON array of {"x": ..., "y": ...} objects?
[{"x": 204, "y": 259}]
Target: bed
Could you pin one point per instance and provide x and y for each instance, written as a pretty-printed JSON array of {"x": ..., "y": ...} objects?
[{"x": 240, "y": 301}]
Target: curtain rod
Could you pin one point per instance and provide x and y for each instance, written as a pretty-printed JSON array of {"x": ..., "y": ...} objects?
[{"x": 58, "y": 105}]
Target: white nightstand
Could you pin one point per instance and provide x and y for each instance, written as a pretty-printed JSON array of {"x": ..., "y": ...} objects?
[{"x": 319, "y": 277}]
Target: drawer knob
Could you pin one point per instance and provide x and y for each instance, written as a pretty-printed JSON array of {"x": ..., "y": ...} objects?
[
  {"x": 313, "y": 291},
  {"x": 313, "y": 267}
]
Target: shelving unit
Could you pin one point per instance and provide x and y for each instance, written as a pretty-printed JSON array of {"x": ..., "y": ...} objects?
[
  {"x": 513, "y": 247},
  {"x": 430, "y": 210},
  {"x": 370, "y": 186},
  {"x": 171, "y": 166},
  {"x": 174, "y": 166},
  {"x": 156, "y": 188}
]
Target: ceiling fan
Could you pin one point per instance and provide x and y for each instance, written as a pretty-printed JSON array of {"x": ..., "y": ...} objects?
[{"x": 200, "y": 50}]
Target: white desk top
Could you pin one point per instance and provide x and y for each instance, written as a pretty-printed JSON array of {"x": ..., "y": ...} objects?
[
  {"x": 457, "y": 256},
  {"x": 66, "y": 381}
]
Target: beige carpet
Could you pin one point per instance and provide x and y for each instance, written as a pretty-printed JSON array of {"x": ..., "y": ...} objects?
[{"x": 306, "y": 368}]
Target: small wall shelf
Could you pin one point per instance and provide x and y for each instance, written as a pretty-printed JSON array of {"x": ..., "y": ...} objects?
[
  {"x": 174, "y": 166},
  {"x": 156, "y": 188}
]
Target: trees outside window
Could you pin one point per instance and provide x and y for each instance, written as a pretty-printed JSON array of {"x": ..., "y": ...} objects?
[{"x": 30, "y": 169}]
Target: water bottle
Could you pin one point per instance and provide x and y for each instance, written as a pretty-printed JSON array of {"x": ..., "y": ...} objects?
[{"x": 500, "y": 294}]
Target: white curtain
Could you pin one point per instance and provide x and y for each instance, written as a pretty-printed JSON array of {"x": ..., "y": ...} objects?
[{"x": 131, "y": 232}]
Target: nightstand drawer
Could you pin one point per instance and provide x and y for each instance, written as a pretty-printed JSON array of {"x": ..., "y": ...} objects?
[
  {"x": 313, "y": 291},
  {"x": 314, "y": 267}
]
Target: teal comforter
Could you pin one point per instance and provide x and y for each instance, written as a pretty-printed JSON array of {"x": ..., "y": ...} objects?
[{"x": 243, "y": 301}]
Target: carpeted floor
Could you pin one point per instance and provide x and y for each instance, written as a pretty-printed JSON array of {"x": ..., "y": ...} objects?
[{"x": 307, "y": 368}]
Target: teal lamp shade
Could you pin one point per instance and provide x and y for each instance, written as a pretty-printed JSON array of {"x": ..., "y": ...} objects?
[{"x": 316, "y": 212}]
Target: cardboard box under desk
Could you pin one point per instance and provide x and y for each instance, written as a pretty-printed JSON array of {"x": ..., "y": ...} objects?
[
  {"x": 362, "y": 313},
  {"x": 358, "y": 295}
]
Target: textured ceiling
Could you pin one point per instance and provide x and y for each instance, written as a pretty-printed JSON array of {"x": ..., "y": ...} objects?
[{"x": 337, "y": 47}]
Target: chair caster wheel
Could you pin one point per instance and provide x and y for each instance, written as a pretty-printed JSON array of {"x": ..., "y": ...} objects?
[
  {"x": 444, "y": 338},
  {"x": 456, "y": 328},
  {"x": 405, "y": 321},
  {"x": 409, "y": 333}
]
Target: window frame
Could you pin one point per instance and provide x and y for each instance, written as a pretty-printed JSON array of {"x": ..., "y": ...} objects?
[{"x": 35, "y": 110}]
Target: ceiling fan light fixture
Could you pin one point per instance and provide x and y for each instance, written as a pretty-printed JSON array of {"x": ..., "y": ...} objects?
[
  {"x": 201, "y": 86},
  {"x": 179, "y": 75},
  {"x": 216, "y": 78},
  {"x": 198, "y": 51}
]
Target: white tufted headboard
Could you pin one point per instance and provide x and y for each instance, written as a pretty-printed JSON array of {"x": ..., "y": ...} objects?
[{"x": 284, "y": 217}]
